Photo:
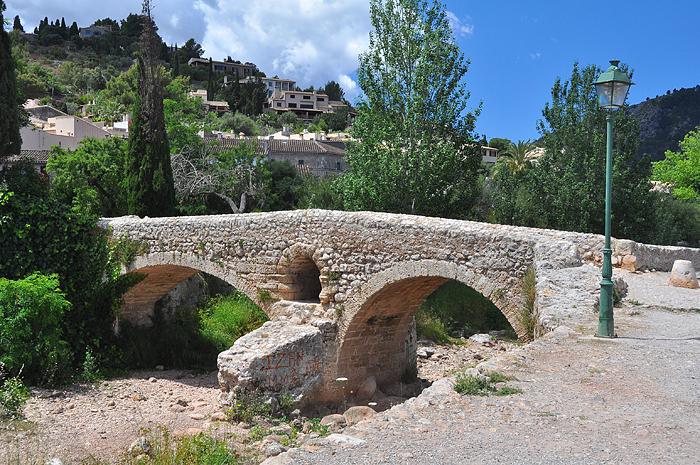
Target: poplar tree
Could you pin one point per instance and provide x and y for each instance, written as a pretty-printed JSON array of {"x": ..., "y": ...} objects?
[
  {"x": 10, "y": 120},
  {"x": 150, "y": 174},
  {"x": 416, "y": 152}
]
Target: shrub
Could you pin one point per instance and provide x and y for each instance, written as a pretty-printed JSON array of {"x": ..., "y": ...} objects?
[
  {"x": 527, "y": 316},
  {"x": 471, "y": 385},
  {"x": 30, "y": 336},
  {"x": 13, "y": 395},
  {"x": 226, "y": 318}
]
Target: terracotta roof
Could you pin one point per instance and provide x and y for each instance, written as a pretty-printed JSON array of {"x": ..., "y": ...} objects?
[
  {"x": 37, "y": 156},
  {"x": 270, "y": 147}
]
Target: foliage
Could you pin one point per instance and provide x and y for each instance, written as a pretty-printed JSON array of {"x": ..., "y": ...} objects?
[
  {"x": 457, "y": 307},
  {"x": 123, "y": 88},
  {"x": 500, "y": 144},
  {"x": 516, "y": 155},
  {"x": 246, "y": 407},
  {"x": 13, "y": 395},
  {"x": 414, "y": 154},
  {"x": 201, "y": 172},
  {"x": 283, "y": 184},
  {"x": 167, "y": 449},
  {"x": 565, "y": 189},
  {"x": 468, "y": 384},
  {"x": 10, "y": 98},
  {"x": 193, "y": 337},
  {"x": 246, "y": 98},
  {"x": 682, "y": 169},
  {"x": 183, "y": 115},
  {"x": 226, "y": 318},
  {"x": 151, "y": 190},
  {"x": 30, "y": 335},
  {"x": 432, "y": 328},
  {"x": 324, "y": 193},
  {"x": 38, "y": 234},
  {"x": 237, "y": 123},
  {"x": 91, "y": 178},
  {"x": 676, "y": 221},
  {"x": 527, "y": 315},
  {"x": 333, "y": 90}
]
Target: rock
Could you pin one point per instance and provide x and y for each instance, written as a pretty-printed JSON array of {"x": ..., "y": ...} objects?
[
  {"x": 308, "y": 426},
  {"x": 273, "y": 450},
  {"x": 193, "y": 431},
  {"x": 138, "y": 397},
  {"x": 625, "y": 247},
  {"x": 197, "y": 416},
  {"x": 140, "y": 446},
  {"x": 218, "y": 416},
  {"x": 357, "y": 414},
  {"x": 346, "y": 439},
  {"x": 683, "y": 275},
  {"x": 54, "y": 461},
  {"x": 282, "y": 459},
  {"x": 367, "y": 388},
  {"x": 181, "y": 402},
  {"x": 629, "y": 263},
  {"x": 160, "y": 368},
  {"x": 480, "y": 339},
  {"x": 334, "y": 418},
  {"x": 177, "y": 408},
  {"x": 421, "y": 353},
  {"x": 152, "y": 379},
  {"x": 276, "y": 359}
]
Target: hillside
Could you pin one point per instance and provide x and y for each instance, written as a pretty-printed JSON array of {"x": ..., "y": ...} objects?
[{"x": 665, "y": 120}]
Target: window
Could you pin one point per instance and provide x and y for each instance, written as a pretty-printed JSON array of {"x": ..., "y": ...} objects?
[
  {"x": 337, "y": 165},
  {"x": 87, "y": 33},
  {"x": 219, "y": 68},
  {"x": 292, "y": 96},
  {"x": 320, "y": 99},
  {"x": 306, "y": 97},
  {"x": 305, "y": 106},
  {"x": 279, "y": 104},
  {"x": 300, "y": 162},
  {"x": 96, "y": 33},
  {"x": 292, "y": 105}
]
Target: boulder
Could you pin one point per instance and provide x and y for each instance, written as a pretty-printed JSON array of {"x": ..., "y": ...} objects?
[
  {"x": 480, "y": 339},
  {"x": 683, "y": 275},
  {"x": 276, "y": 359},
  {"x": 357, "y": 414}
]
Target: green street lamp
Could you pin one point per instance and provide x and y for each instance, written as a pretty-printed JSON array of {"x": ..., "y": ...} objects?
[{"x": 611, "y": 87}]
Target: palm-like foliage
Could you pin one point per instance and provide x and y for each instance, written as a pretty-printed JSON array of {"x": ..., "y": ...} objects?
[{"x": 517, "y": 155}]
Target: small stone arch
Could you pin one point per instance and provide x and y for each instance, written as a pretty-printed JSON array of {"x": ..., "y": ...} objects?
[
  {"x": 165, "y": 271},
  {"x": 375, "y": 323},
  {"x": 299, "y": 273}
]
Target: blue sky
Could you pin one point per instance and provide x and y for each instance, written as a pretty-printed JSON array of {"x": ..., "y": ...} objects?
[{"x": 516, "y": 48}]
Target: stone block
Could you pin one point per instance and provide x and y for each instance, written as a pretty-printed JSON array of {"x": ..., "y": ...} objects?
[
  {"x": 625, "y": 247},
  {"x": 683, "y": 275},
  {"x": 629, "y": 263},
  {"x": 277, "y": 358},
  {"x": 357, "y": 414}
]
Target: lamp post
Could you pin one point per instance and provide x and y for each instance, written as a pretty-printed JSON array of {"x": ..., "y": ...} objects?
[{"x": 611, "y": 88}]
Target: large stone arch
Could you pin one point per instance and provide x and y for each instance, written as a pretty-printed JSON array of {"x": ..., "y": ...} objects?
[
  {"x": 165, "y": 271},
  {"x": 375, "y": 322}
]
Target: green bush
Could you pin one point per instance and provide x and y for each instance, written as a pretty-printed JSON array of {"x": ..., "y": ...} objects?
[
  {"x": 226, "y": 318},
  {"x": 13, "y": 395},
  {"x": 31, "y": 310}
]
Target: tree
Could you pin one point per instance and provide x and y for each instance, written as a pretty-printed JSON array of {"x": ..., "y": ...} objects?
[
  {"x": 516, "y": 155},
  {"x": 91, "y": 179},
  {"x": 74, "y": 30},
  {"x": 10, "y": 99},
  {"x": 149, "y": 175},
  {"x": 415, "y": 153},
  {"x": 500, "y": 144},
  {"x": 333, "y": 91},
  {"x": 233, "y": 176},
  {"x": 191, "y": 49},
  {"x": 565, "y": 189},
  {"x": 682, "y": 169},
  {"x": 17, "y": 26}
]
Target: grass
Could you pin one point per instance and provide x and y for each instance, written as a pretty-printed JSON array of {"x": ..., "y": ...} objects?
[
  {"x": 457, "y": 307},
  {"x": 468, "y": 384},
  {"x": 527, "y": 316}
]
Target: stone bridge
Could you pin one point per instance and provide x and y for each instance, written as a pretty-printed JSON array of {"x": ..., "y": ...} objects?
[{"x": 347, "y": 283}]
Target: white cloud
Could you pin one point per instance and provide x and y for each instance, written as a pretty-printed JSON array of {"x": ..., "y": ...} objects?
[
  {"x": 310, "y": 41},
  {"x": 534, "y": 56},
  {"x": 458, "y": 27}
]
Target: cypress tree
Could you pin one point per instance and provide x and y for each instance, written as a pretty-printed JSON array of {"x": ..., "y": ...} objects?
[
  {"x": 176, "y": 62},
  {"x": 10, "y": 121},
  {"x": 210, "y": 83},
  {"x": 64, "y": 29},
  {"x": 74, "y": 30},
  {"x": 17, "y": 25},
  {"x": 149, "y": 174}
]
